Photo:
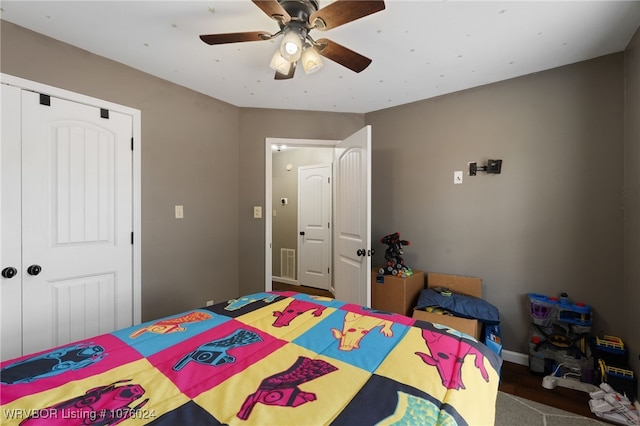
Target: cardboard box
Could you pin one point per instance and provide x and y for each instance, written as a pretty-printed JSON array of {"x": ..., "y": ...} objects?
[
  {"x": 393, "y": 294},
  {"x": 458, "y": 284}
]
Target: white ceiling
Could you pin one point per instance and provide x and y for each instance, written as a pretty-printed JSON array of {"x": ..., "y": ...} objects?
[{"x": 420, "y": 49}]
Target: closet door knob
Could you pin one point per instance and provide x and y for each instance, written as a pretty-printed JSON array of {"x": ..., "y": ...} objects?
[
  {"x": 34, "y": 270},
  {"x": 9, "y": 272}
]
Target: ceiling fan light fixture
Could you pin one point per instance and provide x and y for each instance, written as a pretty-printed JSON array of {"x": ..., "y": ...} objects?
[
  {"x": 311, "y": 60},
  {"x": 291, "y": 47},
  {"x": 280, "y": 64}
]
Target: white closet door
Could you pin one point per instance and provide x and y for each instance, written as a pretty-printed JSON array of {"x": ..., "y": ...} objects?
[
  {"x": 10, "y": 225},
  {"x": 76, "y": 221}
]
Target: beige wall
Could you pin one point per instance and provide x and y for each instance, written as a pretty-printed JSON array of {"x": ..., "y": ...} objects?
[
  {"x": 630, "y": 298},
  {"x": 189, "y": 151},
  {"x": 551, "y": 222}
]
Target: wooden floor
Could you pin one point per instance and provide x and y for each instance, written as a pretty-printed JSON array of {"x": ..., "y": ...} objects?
[
  {"x": 300, "y": 289},
  {"x": 516, "y": 379}
]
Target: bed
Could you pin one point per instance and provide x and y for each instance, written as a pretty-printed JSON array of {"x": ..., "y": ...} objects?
[{"x": 272, "y": 358}]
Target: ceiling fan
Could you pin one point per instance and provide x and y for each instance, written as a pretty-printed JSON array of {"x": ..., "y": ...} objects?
[{"x": 297, "y": 18}]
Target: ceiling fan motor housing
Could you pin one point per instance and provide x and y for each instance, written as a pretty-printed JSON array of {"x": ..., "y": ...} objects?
[{"x": 299, "y": 10}]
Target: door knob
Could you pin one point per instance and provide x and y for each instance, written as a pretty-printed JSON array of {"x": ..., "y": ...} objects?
[
  {"x": 9, "y": 272},
  {"x": 34, "y": 270},
  {"x": 361, "y": 252}
]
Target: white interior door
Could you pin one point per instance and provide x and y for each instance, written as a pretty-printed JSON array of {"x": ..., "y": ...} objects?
[
  {"x": 352, "y": 218},
  {"x": 314, "y": 225},
  {"x": 76, "y": 221},
  {"x": 10, "y": 229}
]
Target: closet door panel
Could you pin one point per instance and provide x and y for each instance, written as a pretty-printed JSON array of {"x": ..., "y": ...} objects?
[
  {"x": 10, "y": 224},
  {"x": 77, "y": 217}
]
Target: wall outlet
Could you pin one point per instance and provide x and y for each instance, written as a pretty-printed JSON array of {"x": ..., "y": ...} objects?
[{"x": 209, "y": 302}]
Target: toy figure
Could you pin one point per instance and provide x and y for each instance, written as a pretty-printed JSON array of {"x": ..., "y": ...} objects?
[{"x": 395, "y": 262}]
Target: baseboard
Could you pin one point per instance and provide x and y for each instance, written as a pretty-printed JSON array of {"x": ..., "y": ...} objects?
[{"x": 515, "y": 357}]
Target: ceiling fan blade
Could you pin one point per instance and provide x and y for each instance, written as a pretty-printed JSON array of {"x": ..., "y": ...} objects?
[
  {"x": 342, "y": 55},
  {"x": 273, "y": 9},
  {"x": 235, "y": 37},
  {"x": 342, "y": 11},
  {"x": 292, "y": 71}
]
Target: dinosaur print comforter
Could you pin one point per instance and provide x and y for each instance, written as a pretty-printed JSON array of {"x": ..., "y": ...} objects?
[{"x": 274, "y": 358}]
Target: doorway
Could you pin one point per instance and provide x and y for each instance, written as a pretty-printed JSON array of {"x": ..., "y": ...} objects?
[
  {"x": 351, "y": 222},
  {"x": 283, "y": 158}
]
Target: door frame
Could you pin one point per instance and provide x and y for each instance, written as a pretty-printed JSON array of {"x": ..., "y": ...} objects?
[
  {"x": 137, "y": 161},
  {"x": 268, "y": 204}
]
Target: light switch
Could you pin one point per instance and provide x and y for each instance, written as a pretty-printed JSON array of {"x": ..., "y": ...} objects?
[
  {"x": 457, "y": 177},
  {"x": 179, "y": 212},
  {"x": 257, "y": 212}
]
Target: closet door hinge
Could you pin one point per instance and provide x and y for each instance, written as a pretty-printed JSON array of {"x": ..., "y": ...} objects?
[
  {"x": 104, "y": 113},
  {"x": 45, "y": 100},
  {"x": 132, "y": 238},
  {"x": 132, "y": 143}
]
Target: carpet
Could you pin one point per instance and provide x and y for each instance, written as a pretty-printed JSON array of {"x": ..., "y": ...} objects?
[{"x": 513, "y": 410}]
